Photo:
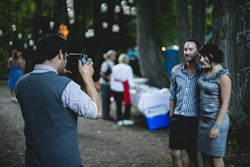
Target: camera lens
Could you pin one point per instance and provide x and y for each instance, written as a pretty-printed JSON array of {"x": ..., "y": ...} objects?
[{"x": 84, "y": 58}]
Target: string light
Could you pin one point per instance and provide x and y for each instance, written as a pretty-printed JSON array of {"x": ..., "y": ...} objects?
[
  {"x": 127, "y": 8},
  {"x": 133, "y": 11},
  {"x": 25, "y": 45},
  {"x": 124, "y": 3},
  {"x": 13, "y": 27},
  {"x": 117, "y": 9},
  {"x": 115, "y": 28},
  {"x": 70, "y": 10},
  {"x": 31, "y": 42},
  {"x": 19, "y": 35},
  {"x": 105, "y": 24},
  {"x": 104, "y": 7},
  {"x": 90, "y": 33},
  {"x": 51, "y": 24}
]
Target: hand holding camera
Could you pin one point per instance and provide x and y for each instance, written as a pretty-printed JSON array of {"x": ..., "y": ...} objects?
[
  {"x": 86, "y": 69},
  {"x": 72, "y": 64}
]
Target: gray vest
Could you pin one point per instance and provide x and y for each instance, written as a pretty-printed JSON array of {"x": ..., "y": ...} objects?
[{"x": 50, "y": 129}]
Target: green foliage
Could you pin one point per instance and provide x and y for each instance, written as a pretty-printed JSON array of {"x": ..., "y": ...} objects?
[
  {"x": 209, "y": 11},
  {"x": 209, "y": 22},
  {"x": 14, "y": 12}
]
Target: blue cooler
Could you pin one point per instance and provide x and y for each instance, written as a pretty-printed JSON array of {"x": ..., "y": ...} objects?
[{"x": 157, "y": 117}]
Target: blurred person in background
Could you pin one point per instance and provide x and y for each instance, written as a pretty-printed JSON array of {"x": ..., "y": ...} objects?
[
  {"x": 23, "y": 61},
  {"x": 121, "y": 81},
  {"x": 105, "y": 72},
  {"x": 16, "y": 65}
]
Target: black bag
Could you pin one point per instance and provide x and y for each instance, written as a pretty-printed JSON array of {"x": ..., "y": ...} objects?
[{"x": 107, "y": 73}]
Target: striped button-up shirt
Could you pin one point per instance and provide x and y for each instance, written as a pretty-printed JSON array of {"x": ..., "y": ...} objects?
[{"x": 184, "y": 91}]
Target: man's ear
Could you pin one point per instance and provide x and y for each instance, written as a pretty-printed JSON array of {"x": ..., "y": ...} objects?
[{"x": 60, "y": 54}]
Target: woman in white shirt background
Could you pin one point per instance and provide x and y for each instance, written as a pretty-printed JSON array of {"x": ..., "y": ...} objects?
[{"x": 120, "y": 82}]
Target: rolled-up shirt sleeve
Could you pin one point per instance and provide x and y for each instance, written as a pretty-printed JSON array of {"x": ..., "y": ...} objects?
[
  {"x": 172, "y": 88},
  {"x": 78, "y": 101}
]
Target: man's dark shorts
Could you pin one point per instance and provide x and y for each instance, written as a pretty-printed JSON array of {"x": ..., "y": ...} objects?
[{"x": 183, "y": 133}]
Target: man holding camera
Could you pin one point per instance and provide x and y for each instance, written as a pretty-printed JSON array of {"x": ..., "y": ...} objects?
[{"x": 51, "y": 104}]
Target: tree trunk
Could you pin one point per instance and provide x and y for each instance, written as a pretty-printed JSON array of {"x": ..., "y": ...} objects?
[
  {"x": 182, "y": 26},
  {"x": 149, "y": 60},
  {"x": 198, "y": 20},
  {"x": 231, "y": 29}
]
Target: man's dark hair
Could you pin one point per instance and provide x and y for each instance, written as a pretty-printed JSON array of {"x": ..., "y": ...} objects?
[
  {"x": 49, "y": 46},
  {"x": 198, "y": 45}
]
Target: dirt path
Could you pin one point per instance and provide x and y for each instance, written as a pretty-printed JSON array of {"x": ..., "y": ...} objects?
[
  {"x": 102, "y": 143},
  {"x": 11, "y": 131}
]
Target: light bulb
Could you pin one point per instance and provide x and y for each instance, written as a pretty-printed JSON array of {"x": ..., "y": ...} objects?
[
  {"x": 51, "y": 24},
  {"x": 104, "y": 7},
  {"x": 31, "y": 42},
  {"x": 104, "y": 24},
  {"x": 117, "y": 9},
  {"x": 19, "y": 35},
  {"x": 115, "y": 28},
  {"x": 13, "y": 27},
  {"x": 25, "y": 45}
]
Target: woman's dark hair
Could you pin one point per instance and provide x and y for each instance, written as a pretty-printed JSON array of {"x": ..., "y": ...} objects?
[
  {"x": 49, "y": 46},
  {"x": 212, "y": 52}
]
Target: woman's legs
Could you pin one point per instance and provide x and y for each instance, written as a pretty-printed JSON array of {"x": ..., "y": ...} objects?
[
  {"x": 12, "y": 93},
  {"x": 209, "y": 161},
  {"x": 105, "y": 94},
  {"x": 118, "y": 96},
  {"x": 127, "y": 113},
  {"x": 218, "y": 162},
  {"x": 206, "y": 161}
]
